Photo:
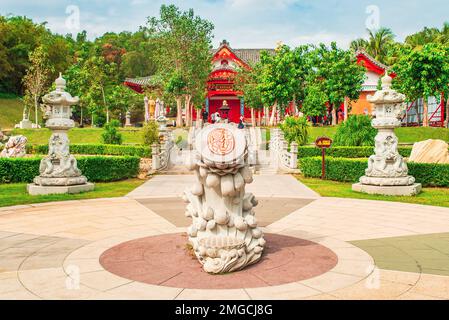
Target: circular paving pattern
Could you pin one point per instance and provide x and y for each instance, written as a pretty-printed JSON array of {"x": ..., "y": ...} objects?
[{"x": 164, "y": 260}]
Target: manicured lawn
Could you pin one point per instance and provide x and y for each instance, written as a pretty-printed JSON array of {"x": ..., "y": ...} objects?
[
  {"x": 429, "y": 196},
  {"x": 133, "y": 135},
  {"x": 406, "y": 135},
  {"x": 316, "y": 132},
  {"x": 16, "y": 194},
  {"x": 11, "y": 111},
  {"x": 78, "y": 135}
]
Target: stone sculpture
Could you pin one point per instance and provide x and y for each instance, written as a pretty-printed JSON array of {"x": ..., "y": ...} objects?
[
  {"x": 224, "y": 232},
  {"x": 58, "y": 170},
  {"x": 387, "y": 171},
  {"x": 430, "y": 151},
  {"x": 15, "y": 147},
  {"x": 25, "y": 123}
]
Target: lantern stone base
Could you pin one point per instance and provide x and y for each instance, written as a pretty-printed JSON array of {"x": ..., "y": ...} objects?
[
  {"x": 408, "y": 191},
  {"x": 36, "y": 190}
]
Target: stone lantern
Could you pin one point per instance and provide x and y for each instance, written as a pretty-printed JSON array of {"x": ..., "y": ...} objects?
[
  {"x": 387, "y": 172},
  {"x": 58, "y": 170}
]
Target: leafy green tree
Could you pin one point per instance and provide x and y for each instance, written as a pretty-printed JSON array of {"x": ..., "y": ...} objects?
[
  {"x": 247, "y": 81},
  {"x": 277, "y": 79},
  {"x": 176, "y": 86},
  {"x": 122, "y": 99},
  {"x": 355, "y": 132},
  {"x": 182, "y": 44},
  {"x": 338, "y": 75},
  {"x": 314, "y": 104},
  {"x": 36, "y": 79},
  {"x": 423, "y": 73}
]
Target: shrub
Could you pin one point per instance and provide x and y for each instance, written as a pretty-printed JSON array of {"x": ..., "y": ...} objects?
[
  {"x": 356, "y": 131},
  {"x": 346, "y": 152},
  {"x": 99, "y": 119},
  {"x": 111, "y": 134},
  {"x": 296, "y": 129},
  {"x": 350, "y": 170},
  {"x": 18, "y": 169},
  {"x": 96, "y": 169},
  {"x": 99, "y": 149},
  {"x": 102, "y": 168},
  {"x": 150, "y": 133}
]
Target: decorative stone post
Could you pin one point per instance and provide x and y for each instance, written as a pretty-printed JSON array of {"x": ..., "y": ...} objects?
[
  {"x": 224, "y": 232},
  {"x": 25, "y": 123},
  {"x": 294, "y": 155},
  {"x": 147, "y": 111},
  {"x": 387, "y": 172},
  {"x": 155, "y": 156},
  {"x": 58, "y": 171},
  {"x": 128, "y": 119}
]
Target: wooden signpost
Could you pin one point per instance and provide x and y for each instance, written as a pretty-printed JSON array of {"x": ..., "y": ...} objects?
[{"x": 323, "y": 143}]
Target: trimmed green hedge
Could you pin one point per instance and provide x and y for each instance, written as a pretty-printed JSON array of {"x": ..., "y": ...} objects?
[
  {"x": 18, "y": 169},
  {"x": 96, "y": 149},
  {"x": 99, "y": 149},
  {"x": 346, "y": 152},
  {"x": 350, "y": 170},
  {"x": 96, "y": 169}
]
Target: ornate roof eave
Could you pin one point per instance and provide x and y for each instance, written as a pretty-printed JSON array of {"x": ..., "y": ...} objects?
[
  {"x": 378, "y": 67},
  {"x": 362, "y": 51}
]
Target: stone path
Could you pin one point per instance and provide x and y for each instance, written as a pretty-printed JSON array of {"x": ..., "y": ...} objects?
[{"x": 52, "y": 250}]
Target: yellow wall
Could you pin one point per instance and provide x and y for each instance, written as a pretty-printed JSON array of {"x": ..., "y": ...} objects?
[{"x": 360, "y": 105}]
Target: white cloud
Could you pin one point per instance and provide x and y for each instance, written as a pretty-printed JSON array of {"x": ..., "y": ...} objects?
[{"x": 254, "y": 4}]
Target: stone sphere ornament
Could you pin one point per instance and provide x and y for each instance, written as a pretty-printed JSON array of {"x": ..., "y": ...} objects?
[{"x": 224, "y": 232}]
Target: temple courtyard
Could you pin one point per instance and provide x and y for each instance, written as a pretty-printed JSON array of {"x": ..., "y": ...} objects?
[{"x": 134, "y": 247}]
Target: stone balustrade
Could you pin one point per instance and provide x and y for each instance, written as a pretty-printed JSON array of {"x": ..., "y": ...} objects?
[{"x": 279, "y": 148}]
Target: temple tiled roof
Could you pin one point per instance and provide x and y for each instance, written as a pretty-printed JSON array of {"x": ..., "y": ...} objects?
[
  {"x": 370, "y": 58},
  {"x": 251, "y": 56},
  {"x": 143, "y": 81}
]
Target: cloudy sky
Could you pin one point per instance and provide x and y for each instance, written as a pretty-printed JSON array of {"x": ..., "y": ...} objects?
[{"x": 244, "y": 23}]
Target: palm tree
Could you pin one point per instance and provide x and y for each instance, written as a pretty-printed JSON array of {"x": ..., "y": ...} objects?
[
  {"x": 419, "y": 39},
  {"x": 378, "y": 44}
]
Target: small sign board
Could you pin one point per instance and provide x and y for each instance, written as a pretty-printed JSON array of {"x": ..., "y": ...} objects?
[{"x": 323, "y": 143}]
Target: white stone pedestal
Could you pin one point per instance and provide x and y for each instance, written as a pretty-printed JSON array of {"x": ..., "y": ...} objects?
[
  {"x": 412, "y": 190},
  {"x": 36, "y": 190},
  {"x": 25, "y": 124}
]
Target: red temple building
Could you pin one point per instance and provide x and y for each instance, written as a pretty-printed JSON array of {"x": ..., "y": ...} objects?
[
  {"x": 221, "y": 96},
  {"x": 229, "y": 103}
]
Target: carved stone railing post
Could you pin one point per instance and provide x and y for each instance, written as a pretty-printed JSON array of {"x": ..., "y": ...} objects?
[
  {"x": 155, "y": 156},
  {"x": 294, "y": 155}
]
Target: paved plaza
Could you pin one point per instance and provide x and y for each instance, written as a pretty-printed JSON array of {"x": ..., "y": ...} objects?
[{"x": 369, "y": 249}]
